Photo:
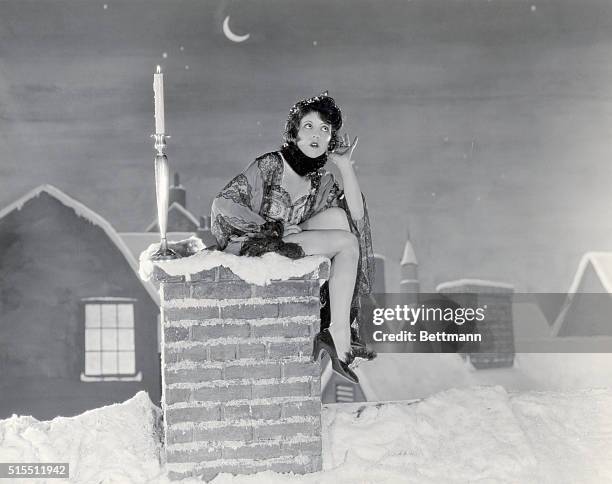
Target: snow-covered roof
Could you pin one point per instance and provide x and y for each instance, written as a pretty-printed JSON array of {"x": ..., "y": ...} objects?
[
  {"x": 601, "y": 262},
  {"x": 88, "y": 214},
  {"x": 472, "y": 282},
  {"x": 177, "y": 206},
  {"x": 409, "y": 257}
]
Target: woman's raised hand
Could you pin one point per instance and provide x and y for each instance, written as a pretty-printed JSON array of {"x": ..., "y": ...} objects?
[{"x": 342, "y": 155}]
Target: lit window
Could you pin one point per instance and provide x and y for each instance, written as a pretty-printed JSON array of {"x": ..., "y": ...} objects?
[{"x": 109, "y": 339}]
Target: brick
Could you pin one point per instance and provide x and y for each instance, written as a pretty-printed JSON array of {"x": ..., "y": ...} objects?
[
  {"x": 265, "y": 370},
  {"x": 226, "y": 274},
  {"x": 176, "y": 291},
  {"x": 253, "y": 451},
  {"x": 196, "y": 353},
  {"x": 289, "y": 348},
  {"x": 315, "y": 387},
  {"x": 296, "y": 368},
  {"x": 207, "y": 474},
  {"x": 223, "y": 352},
  {"x": 285, "y": 430},
  {"x": 314, "y": 448},
  {"x": 193, "y": 313},
  {"x": 204, "y": 454},
  {"x": 207, "y": 276},
  {"x": 175, "y": 395},
  {"x": 173, "y": 333},
  {"x": 223, "y": 394},
  {"x": 287, "y": 288},
  {"x": 266, "y": 391},
  {"x": 193, "y": 414},
  {"x": 222, "y": 290},
  {"x": 160, "y": 276},
  {"x": 249, "y": 311},
  {"x": 297, "y": 468},
  {"x": 316, "y": 464},
  {"x": 178, "y": 436},
  {"x": 288, "y": 330},
  {"x": 322, "y": 272},
  {"x": 299, "y": 308},
  {"x": 295, "y": 389},
  {"x": 252, "y": 350},
  {"x": 206, "y": 332},
  {"x": 265, "y": 412},
  {"x": 305, "y": 408},
  {"x": 193, "y": 375},
  {"x": 179, "y": 476},
  {"x": 224, "y": 433}
]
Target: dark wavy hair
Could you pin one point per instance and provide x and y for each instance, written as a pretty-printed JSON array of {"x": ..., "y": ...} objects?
[{"x": 326, "y": 107}]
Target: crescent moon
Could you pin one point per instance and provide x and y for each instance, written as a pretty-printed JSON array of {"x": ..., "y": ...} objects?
[{"x": 231, "y": 35}]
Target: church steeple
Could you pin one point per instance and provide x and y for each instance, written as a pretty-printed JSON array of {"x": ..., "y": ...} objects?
[{"x": 409, "y": 267}]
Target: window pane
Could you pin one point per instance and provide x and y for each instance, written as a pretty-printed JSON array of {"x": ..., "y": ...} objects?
[
  {"x": 92, "y": 315},
  {"x": 109, "y": 315},
  {"x": 109, "y": 363},
  {"x": 92, "y": 339},
  {"x": 126, "y": 339},
  {"x": 126, "y": 363},
  {"x": 109, "y": 339},
  {"x": 92, "y": 363},
  {"x": 125, "y": 315}
]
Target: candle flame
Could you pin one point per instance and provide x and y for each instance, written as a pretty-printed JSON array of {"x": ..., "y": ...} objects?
[{"x": 159, "y": 69}]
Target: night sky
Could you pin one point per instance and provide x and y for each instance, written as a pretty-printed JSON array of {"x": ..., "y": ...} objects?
[{"x": 485, "y": 126}]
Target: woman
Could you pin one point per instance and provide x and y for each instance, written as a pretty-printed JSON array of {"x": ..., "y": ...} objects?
[{"x": 285, "y": 201}]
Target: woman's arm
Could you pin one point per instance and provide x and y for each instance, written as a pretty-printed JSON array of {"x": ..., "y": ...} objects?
[
  {"x": 352, "y": 192},
  {"x": 235, "y": 209}
]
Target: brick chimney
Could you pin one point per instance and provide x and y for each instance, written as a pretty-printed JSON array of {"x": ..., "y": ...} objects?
[
  {"x": 498, "y": 350},
  {"x": 241, "y": 393},
  {"x": 177, "y": 193}
]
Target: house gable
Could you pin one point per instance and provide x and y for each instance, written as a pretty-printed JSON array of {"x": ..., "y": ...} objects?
[
  {"x": 55, "y": 254},
  {"x": 179, "y": 220}
]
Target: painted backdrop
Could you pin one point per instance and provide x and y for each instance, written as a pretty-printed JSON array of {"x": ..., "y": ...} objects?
[{"x": 485, "y": 126}]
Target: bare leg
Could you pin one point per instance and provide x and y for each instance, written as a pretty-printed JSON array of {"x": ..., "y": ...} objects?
[{"x": 328, "y": 234}]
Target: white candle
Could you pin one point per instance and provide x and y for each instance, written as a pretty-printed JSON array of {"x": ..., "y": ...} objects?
[{"x": 158, "y": 89}]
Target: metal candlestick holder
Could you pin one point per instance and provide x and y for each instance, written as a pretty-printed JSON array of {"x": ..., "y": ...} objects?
[{"x": 162, "y": 191}]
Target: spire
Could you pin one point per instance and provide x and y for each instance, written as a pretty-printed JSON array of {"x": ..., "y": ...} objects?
[{"x": 409, "y": 257}]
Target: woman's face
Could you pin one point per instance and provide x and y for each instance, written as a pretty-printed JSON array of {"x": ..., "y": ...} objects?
[{"x": 314, "y": 135}]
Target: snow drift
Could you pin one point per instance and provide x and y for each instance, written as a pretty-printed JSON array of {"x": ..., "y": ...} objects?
[{"x": 482, "y": 434}]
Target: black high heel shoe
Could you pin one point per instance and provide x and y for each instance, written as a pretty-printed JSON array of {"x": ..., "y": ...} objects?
[
  {"x": 324, "y": 342},
  {"x": 359, "y": 348}
]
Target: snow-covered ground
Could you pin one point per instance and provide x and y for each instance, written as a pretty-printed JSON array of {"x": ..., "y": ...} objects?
[{"x": 477, "y": 435}]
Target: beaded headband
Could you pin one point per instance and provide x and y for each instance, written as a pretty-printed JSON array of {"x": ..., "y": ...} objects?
[{"x": 311, "y": 100}]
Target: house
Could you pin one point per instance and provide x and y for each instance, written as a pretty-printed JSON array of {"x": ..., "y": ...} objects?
[{"x": 78, "y": 328}]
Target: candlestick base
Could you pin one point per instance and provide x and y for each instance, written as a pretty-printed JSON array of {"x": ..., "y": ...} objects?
[{"x": 165, "y": 253}]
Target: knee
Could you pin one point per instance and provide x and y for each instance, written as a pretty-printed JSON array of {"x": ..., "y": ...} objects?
[
  {"x": 350, "y": 244},
  {"x": 338, "y": 218}
]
